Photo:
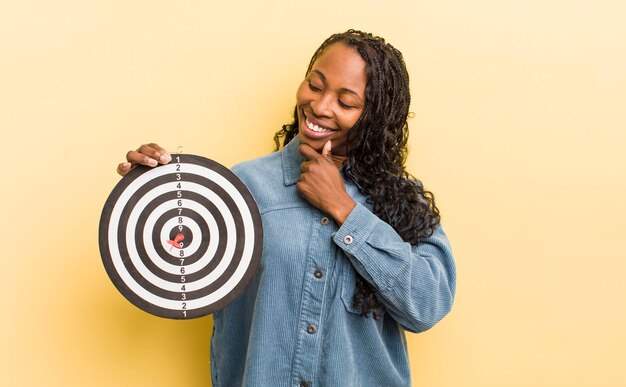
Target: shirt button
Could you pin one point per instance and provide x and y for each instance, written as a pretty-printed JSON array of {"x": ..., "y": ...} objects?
[
  {"x": 304, "y": 384},
  {"x": 348, "y": 239},
  {"x": 324, "y": 221},
  {"x": 311, "y": 329},
  {"x": 318, "y": 273}
]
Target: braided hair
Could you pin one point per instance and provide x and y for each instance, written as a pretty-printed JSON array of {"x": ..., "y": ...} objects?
[{"x": 377, "y": 150}]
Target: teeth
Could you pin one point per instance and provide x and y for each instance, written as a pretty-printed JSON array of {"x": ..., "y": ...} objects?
[{"x": 316, "y": 128}]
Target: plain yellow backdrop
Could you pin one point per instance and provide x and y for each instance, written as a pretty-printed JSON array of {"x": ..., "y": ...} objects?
[{"x": 519, "y": 130}]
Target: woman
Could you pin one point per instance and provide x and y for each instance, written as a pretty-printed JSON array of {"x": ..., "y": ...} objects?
[{"x": 353, "y": 250}]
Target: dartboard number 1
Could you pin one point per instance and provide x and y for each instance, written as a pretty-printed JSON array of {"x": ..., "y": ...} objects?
[{"x": 180, "y": 221}]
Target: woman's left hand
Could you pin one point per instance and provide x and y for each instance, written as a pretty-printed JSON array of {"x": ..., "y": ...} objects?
[{"x": 321, "y": 183}]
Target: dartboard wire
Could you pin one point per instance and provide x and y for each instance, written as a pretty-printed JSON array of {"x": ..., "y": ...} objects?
[{"x": 230, "y": 283}]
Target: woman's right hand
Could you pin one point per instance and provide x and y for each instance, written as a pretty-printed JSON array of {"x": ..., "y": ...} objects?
[{"x": 150, "y": 155}]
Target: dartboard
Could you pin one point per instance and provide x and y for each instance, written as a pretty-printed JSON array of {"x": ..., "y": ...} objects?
[{"x": 180, "y": 240}]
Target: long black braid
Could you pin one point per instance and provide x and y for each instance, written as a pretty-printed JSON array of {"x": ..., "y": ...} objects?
[{"x": 377, "y": 150}]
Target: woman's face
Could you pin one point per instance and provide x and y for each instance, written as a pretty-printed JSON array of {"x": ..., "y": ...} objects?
[{"x": 331, "y": 98}]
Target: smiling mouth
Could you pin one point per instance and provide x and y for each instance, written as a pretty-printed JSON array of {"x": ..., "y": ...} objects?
[{"x": 316, "y": 128}]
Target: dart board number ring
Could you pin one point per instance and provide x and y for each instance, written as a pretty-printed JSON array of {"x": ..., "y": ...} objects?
[{"x": 181, "y": 240}]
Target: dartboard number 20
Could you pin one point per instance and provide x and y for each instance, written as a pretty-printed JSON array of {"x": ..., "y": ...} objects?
[{"x": 181, "y": 240}]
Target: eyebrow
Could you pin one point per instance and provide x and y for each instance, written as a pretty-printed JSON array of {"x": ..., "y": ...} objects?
[{"x": 342, "y": 90}]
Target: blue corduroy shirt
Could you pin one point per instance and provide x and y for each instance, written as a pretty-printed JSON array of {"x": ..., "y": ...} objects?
[{"x": 295, "y": 324}]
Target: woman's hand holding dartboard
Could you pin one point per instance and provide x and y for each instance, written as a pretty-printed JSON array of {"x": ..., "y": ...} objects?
[
  {"x": 180, "y": 240},
  {"x": 149, "y": 155}
]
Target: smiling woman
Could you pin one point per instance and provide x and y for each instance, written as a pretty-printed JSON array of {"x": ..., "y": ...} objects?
[
  {"x": 331, "y": 99},
  {"x": 353, "y": 253},
  {"x": 377, "y": 146}
]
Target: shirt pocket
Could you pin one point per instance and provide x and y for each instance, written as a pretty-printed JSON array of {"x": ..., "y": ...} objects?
[{"x": 348, "y": 288}]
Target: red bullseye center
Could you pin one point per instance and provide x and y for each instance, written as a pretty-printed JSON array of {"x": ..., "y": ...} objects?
[{"x": 180, "y": 237}]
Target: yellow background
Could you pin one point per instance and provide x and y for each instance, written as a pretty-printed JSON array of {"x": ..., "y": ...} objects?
[{"x": 519, "y": 130}]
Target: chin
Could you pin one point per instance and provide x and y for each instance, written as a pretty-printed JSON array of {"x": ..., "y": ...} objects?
[{"x": 315, "y": 144}]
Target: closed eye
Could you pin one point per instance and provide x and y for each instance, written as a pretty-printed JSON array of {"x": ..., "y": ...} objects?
[
  {"x": 313, "y": 88},
  {"x": 345, "y": 105}
]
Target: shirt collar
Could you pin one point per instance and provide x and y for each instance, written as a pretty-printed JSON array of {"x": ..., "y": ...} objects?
[{"x": 292, "y": 159}]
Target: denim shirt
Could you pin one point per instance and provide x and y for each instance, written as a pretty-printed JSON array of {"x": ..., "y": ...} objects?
[{"x": 295, "y": 324}]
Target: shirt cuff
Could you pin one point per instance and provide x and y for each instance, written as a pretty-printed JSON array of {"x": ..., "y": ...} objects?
[{"x": 356, "y": 229}]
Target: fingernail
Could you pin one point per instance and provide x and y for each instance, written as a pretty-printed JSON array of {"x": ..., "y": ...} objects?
[
  {"x": 152, "y": 162},
  {"x": 165, "y": 158}
]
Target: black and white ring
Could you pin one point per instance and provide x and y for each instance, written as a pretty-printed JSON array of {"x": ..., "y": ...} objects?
[{"x": 181, "y": 240}]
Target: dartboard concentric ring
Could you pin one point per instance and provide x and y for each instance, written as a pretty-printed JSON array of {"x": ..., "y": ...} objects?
[{"x": 181, "y": 240}]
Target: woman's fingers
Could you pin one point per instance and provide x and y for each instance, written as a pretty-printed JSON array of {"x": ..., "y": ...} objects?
[
  {"x": 149, "y": 155},
  {"x": 138, "y": 157},
  {"x": 154, "y": 152},
  {"x": 124, "y": 168}
]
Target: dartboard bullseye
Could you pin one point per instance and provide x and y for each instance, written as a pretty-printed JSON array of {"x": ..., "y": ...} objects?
[{"x": 181, "y": 240}]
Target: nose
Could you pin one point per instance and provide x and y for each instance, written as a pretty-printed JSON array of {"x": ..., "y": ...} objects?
[{"x": 322, "y": 106}]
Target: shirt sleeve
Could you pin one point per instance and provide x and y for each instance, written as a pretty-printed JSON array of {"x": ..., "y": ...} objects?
[{"x": 417, "y": 283}]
